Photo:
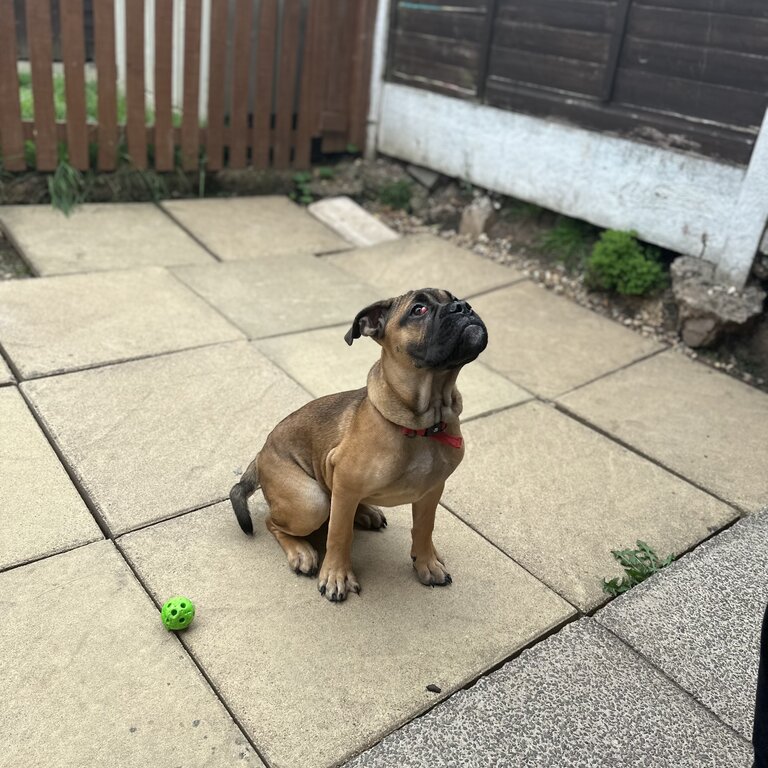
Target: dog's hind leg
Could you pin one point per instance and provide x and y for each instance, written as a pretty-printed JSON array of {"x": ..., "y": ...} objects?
[
  {"x": 298, "y": 506},
  {"x": 370, "y": 518}
]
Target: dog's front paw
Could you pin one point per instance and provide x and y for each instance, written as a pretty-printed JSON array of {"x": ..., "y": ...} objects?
[
  {"x": 335, "y": 582},
  {"x": 431, "y": 570}
]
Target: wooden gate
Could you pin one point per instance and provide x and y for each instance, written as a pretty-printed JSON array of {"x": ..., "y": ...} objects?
[{"x": 284, "y": 77}]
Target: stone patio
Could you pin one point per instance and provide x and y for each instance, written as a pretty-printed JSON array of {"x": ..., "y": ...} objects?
[{"x": 148, "y": 381}]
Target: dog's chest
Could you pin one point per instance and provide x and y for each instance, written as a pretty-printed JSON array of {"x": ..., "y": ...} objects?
[{"x": 420, "y": 469}]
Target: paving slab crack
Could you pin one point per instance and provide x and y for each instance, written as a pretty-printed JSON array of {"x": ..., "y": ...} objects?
[{"x": 188, "y": 232}]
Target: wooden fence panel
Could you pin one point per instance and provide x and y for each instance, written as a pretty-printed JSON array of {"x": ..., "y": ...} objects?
[
  {"x": 163, "y": 85},
  {"x": 265, "y": 67},
  {"x": 106, "y": 67},
  {"x": 362, "y": 44},
  {"x": 307, "y": 123},
  {"x": 135, "y": 124},
  {"x": 73, "y": 55},
  {"x": 286, "y": 83},
  {"x": 214, "y": 142},
  {"x": 11, "y": 132},
  {"x": 238, "y": 123},
  {"x": 190, "y": 121},
  {"x": 41, "y": 66}
]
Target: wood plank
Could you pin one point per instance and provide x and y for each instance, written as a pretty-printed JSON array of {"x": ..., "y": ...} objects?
[
  {"x": 11, "y": 131},
  {"x": 456, "y": 26},
  {"x": 555, "y": 72},
  {"x": 361, "y": 72},
  {"x": 432, "y": 86},
  {"x": 265, "y": 68},
  {"x": 106, "y": 67},
  {"x": 307, "y": 118},
  {"x": 618, "y": 33},
  {"x": 713, "y": 30},
  {"x": 460, "y": 79},
  {"x": 756, "y": 9},
  {"x": 190, "y": 119},
  {"x": 136, "y": 109},
  {"x": 214, "y": 145},
  {"x": 671, "y": 132},
  {"x": 286, "y": 82},
  {"x": 41, "y": 63},
  {"x": 709, "y": 65},
  {"x": 538, "y": 38},
  {"x": 457, "y": 53},
  {"x": 428, "y": 6},
  {"x": 584, "y": 15},
  {"x": 726, "y": 106},
  {"x": 238, "y": 117},
  {"x": 73, "y": 55},
  {"x": 336, "y": 84},
  {"x": 163, "y": 135}
]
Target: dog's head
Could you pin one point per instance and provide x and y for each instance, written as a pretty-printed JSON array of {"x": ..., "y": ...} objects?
[{"x": 430, "y": 326}]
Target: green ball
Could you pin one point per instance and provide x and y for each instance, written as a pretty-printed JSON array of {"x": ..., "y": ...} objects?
[{"x": 178, "y": 613}]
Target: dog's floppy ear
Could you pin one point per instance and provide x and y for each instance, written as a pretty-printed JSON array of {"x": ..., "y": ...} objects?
[{"x": 369, "y": 321}]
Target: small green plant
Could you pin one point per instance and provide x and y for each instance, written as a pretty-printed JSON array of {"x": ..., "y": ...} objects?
[
  {"x": 638, "y": 564},
  {"x": 396, "y": 194},
  {"x": 302, "y": 194},
  {"x": 352, "y": 149},
  {"x": 66, "y": 187},
  {"x": 326, "y": 173},
  {"x": 568, "y": 241},
  {"x": 618, "y": 262}
]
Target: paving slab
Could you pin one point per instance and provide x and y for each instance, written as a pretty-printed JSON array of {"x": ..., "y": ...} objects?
[
  {"x": 91, "y": 677},
  {"x": 56, "y": 324},
  {"x": 280, "y": 294},
  {"x": 549, "y": 345},
  {"x": 98, "y": 236},
  {"x": 699, "y": 620},
  {"x": 351, "y": 221},
  {"x": 245, "y": 228},
  {"x": 580, "y": 699},
  {"x": 558, "y": 497},
  {"x": 313, "y": 682},
  {"x": 41, "y": 512},
  {"x": 155, "y": 437},
  {"x": 6, "y": 377},
  {"x": 323, "y": 363},
  {"x": 423, "y": 261},
  {"x": 699, "y": 422}
]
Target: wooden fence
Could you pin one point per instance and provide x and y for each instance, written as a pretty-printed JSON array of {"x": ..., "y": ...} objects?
[
  {"x": 284, "y": 76},
  {"x": 691, "y": 74}
]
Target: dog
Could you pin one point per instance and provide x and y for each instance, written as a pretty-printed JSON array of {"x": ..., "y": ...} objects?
[{"x": 395, "y": 441}]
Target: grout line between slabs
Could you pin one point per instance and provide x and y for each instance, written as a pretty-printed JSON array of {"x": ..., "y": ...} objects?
[
  {"x": 137, "y": 358},
  {"x": 73, "y": 476},
  {"x": 509, "y": 557},
  {"x": 48, "y": 555},
  {"x": 9, "y": 236},
  {"x": 172, "y": 516},
  {"x": 185, "y": 645},
  {"x": 740, "y": 512},
  {"x": 688, "y": 694},
  {"x": 189, "y": 233}
]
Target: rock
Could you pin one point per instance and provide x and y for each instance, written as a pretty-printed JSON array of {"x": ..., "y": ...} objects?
[
  {"x": 443, "y": 207},
  {"x": 708, "y": 310},
  {"x": 760, "y": 267},
  {"x": 380, "y": 174},
  {"x": 477, "y": 217},
  {"x": 424, "y": 176}
]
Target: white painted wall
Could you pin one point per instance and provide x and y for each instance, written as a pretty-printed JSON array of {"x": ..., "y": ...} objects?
[{"x": 680, "y": 201}]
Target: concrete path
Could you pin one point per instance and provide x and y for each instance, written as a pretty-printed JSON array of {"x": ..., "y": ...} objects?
[{"x": 145, "y": 366}]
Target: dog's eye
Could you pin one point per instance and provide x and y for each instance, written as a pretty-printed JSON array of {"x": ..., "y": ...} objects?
[{"x": 419, "y": 309}]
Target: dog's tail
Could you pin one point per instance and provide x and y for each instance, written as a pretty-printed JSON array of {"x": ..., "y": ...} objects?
[{"x": 239, "y": 494}]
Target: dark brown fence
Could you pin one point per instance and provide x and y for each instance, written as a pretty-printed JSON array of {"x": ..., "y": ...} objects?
[
  {"x": 284, "y": 76},
  {"x": 691, "y": 74}
]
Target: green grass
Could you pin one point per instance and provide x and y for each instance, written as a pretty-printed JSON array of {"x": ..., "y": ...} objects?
[
  {"x": 568, "y": 241},
  {"x": 620, "y": 263},
  {"x": 27, "y": 101},
  {"x": 638, "y": 565},
  {"x": 396, "y": 194}
]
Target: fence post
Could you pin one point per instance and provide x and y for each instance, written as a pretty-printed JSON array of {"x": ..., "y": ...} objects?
[
  {"x": 378, "y": 65},
  {"x": 11, "y": 131}
]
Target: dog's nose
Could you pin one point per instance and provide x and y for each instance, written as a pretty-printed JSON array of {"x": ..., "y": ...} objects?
[{"x": 459, "y": 306}]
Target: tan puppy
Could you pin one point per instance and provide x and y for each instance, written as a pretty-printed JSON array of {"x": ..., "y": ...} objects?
[{"x": 340, "y": 454}]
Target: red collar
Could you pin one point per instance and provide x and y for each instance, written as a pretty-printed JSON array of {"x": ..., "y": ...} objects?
[{"x": 436, "y": 432}]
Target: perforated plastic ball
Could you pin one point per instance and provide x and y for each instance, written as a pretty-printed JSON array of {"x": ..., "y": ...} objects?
[{"x": 178, "y": 613}]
